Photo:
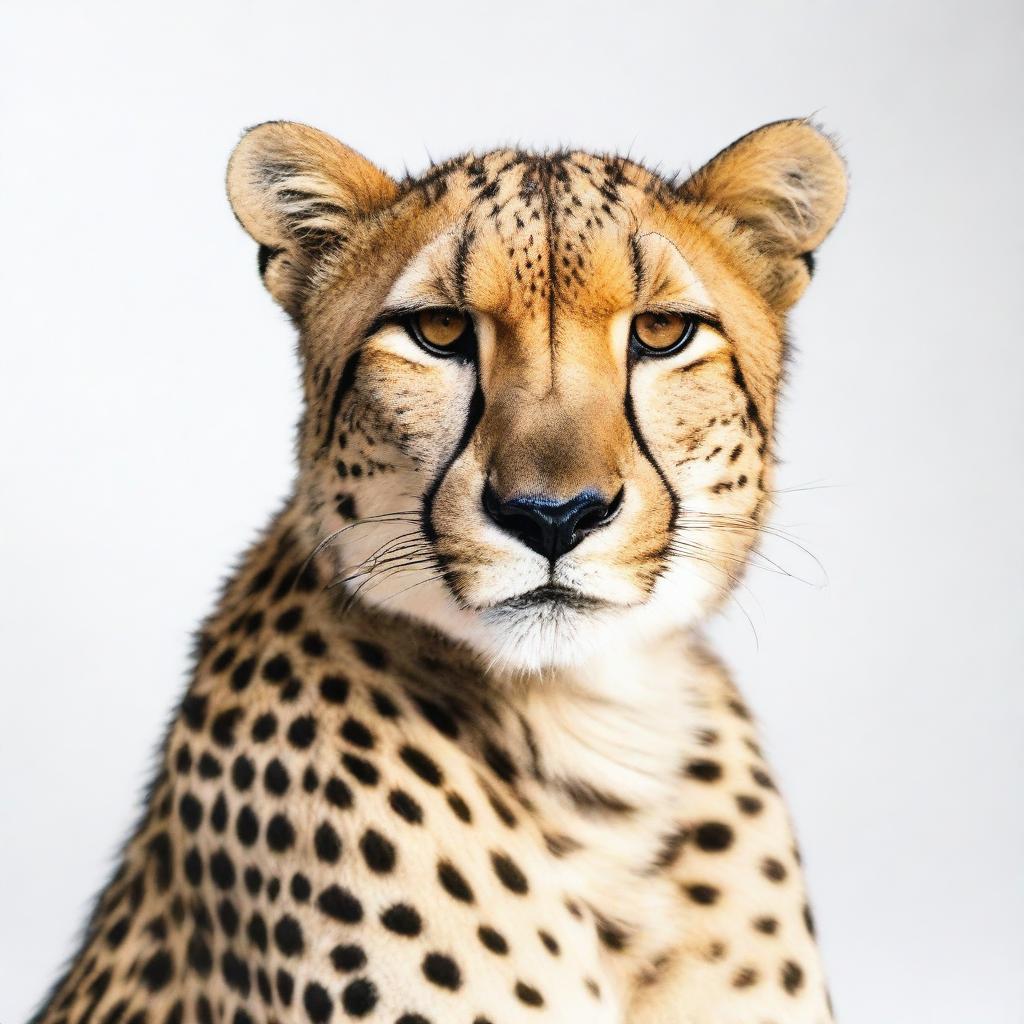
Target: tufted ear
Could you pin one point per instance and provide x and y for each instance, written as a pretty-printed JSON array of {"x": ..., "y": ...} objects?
[
  {"x": 297, "y": 191},
  {"x": 786, "y": 182}
]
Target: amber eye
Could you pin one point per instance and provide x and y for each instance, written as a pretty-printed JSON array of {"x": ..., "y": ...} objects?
[
  {"x": 662, "y": 334},
  {"x": 442, "y": 331}
]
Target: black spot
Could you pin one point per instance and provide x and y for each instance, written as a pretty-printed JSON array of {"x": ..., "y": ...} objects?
[
  {"x": 157, "y": 970},
  {"x": 310, "y": 780},
  {"x": 277, "y": 669},
  {"x": 442, "y": 970},
  {"x": 362, "y": 770},
  {"x": 550, "y": 942},
  {"x": 766, "y": 925},
  {"x": 288, "y": 936},
  {"x": 405, "y": 806},
  {"x": 193, "y": 710},
  {"x": 247, "y": 826},
  {"x": 117, "y": 931},
  {"x": 194, "y": 867},
  {"x": 509, "y": 874},
  {"x": 402, "y": 920},
  {"x": 275, "y": 778},
  {"x": 459, "y": 807},
  {"x": 749, "y": 804},
  {"x": 492, "y": 939},
  {"x": 713, "y": 836},
  {"x": 761, "y": 777},
  {"x": 384, "y": 705},
  {"x": 357, "y": 734},
  {"x": 253, "y": 880},
  {"x": 222, "y": 869},
  {"x": 438, "y": 717},
  {"x": 705, "y": 895},
  {"x": 704, "y": 770},
  {"x": 334, "y": 689},
  {"x": 223, "y": 727},
  {"x": 501, "y": 809},
  {"x": 500, "y": 762},
  {"x": 209, "y": 767},
  {"x": 774, "y": 870},
  {"x": 235, "y": 972},
  {"x": 370, "y": 654},
  {"x": 792, "y": 977},
  {"x": 318, "y": 1003},
  {"x": 264, "y": 727},
  {"x": 199, "y": 957},
  {"x": 228, "y": 917},
  {"x": 422, "y": 765},
  {"x": 327, "y": 844},
  {"x": 453, "y": 883},
  {"x": 340, "y": 904},
  {"x": 183, "y": 760},
  {"x": 338, "y": 793},
  {"x": 378, "y": 852},
  {"x": 359, "y": 997},
  {"x": 242, "y": 674},
  {"x": 610, "y": 934},
  {"x": 256, "y": 930},
  {"x": 288, "y": 620},
  {"x": 302, "y": 732},
  {"x": 280, "y": 833},
  {"x": 242, "y": 772},
  {"x": 160, "y": 849},
  {"x": 744, "y": 977},
  {"x": 348, "y": 958},
  {"x": 190, "y": 810},
  {"x": 809, "y": 920},
  {"x": 314, "y": 645},
  {"x": 300, "y": 888},
  {"x": 285, "y": 986},
  {"x": 528, "y": 994},
  {"x": 261, "y": 580}
]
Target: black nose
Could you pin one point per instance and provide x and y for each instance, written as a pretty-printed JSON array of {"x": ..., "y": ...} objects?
[{"x": 546, "y": 525}]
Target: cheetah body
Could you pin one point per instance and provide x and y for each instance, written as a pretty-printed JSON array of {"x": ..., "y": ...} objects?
[{"x": 362, "y": 812}]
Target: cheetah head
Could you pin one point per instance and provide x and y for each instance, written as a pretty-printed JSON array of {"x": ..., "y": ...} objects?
[{"x": 539, "y": 389}]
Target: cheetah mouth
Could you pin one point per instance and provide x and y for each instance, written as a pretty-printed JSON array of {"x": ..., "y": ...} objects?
[{"x": 552, "y": 596}]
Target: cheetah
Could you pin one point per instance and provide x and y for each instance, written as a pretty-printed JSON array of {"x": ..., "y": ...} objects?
[{"x": 453, "y": 750}]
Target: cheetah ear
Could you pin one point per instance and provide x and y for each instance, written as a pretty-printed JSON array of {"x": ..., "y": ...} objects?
[
  {"x": 787, "y": 183},
  {"x": 298, "y": 191}
]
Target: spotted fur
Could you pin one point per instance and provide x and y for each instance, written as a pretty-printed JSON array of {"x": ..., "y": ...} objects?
[{"x": 422, "y": 773}]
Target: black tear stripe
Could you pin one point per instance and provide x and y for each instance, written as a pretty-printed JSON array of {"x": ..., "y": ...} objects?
[
  {"x": 753, "y": 413},
  {"x": 649, "y": 456},
  {"x": 344, "y": 385},
  {"x": 473, "y": 416}
]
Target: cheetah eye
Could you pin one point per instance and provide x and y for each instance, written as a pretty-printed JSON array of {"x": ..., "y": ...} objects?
[
  {"x": 661, "y": 334},
  {"x": 443, "y": 332}
]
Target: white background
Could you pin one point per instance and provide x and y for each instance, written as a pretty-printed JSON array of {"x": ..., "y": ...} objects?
[{"x": 148, "y": 395}]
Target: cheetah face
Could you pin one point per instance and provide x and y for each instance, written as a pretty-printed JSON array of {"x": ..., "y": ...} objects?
[{"x": 540, "y": 389}]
